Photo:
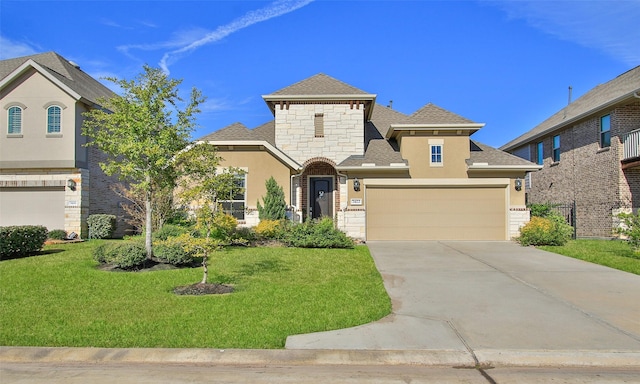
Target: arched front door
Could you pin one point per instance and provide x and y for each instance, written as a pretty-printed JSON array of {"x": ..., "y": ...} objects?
[{"x": 321, "y": 197}]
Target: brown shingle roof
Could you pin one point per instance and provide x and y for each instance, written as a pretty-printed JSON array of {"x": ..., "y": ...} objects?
[
  {"x": 233, "y": 132},
  {"x": 65, "y": 72},
  {"x": 599, "y": 97},
  {"x": 432, "y": 114},
  {"x": 320, "y": 84},
  {"x": 481, "y": 153}
]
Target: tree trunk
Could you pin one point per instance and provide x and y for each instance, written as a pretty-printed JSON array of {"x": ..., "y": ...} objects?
[
  {"x": 148, "y": 223},
  {"x": 205, "y": 270}
]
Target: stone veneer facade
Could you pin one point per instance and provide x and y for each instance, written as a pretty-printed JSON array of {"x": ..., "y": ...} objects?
[
  {"x": 343, "y": 131},
  {"x": 589, "y": 175}
]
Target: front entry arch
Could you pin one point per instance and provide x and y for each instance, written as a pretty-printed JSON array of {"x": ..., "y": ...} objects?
[{"x": 320, "y": 189}]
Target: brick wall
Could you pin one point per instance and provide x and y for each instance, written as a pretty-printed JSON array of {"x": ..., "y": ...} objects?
[{"x": 589, "y": 175}]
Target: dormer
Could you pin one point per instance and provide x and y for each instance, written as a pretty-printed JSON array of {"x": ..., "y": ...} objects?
[{"x": 320, "y": 117}]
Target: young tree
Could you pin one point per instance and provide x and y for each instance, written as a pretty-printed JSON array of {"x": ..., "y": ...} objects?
[
  {"x": 204, "y": 184},
  {"x": 275, "y": 207},
  {"x": 140, "y": 134}
]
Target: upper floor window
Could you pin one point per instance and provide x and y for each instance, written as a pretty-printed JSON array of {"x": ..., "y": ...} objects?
[
  {"x": 318, "y": 124},
  {"x": 15, "y": 121},
  {"x": 605, "y": 131},
  {"x": 540, "y": 153},
  {"x": 54, "y": 114},
  {"x": 556, "y": 148},
  {"x": 436, "y": 154}
]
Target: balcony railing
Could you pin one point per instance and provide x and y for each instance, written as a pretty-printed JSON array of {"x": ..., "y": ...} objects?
[{"x": 631, "y": 145}]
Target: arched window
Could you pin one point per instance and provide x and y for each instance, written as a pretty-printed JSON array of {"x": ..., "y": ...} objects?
[
  {"x": 53, "y": 119},
  {"x": 15, "y": 121}
]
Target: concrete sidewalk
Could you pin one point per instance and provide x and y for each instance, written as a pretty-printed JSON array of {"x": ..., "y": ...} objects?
[
  {"x": 500, "y": 303},
  {"x": 455, "y": 304}
]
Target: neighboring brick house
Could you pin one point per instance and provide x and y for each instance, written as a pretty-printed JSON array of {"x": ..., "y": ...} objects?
[
  {"x": 47, "y": 176},
  {"x": 590, "y": 155},
  {"x": 380, "y": 174}
]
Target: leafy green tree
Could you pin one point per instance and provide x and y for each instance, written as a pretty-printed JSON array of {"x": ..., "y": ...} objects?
[
  {"x": 204, "y": 184},
  {"x": 630, "y": 228},
  {"x": 141, "y": 130},
  {"x": 275, "y": 207}
]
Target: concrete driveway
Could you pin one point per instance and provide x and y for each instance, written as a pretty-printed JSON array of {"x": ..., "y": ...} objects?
[{"x": 493, "y": 299}]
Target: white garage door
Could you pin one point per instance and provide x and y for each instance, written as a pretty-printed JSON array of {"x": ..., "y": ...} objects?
[
  {"x": 32, "y": 206},
  {"x": 436, "y": 213}
]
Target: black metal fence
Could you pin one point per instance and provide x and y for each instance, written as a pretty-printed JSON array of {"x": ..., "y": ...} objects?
[{"x": 568, "y": 211}]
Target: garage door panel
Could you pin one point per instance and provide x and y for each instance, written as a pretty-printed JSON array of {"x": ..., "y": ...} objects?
[
  {"x": 436, "y": 213},
  {"x": 32, "y": 206}
]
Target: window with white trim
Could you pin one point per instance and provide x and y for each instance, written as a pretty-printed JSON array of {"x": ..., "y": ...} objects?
[
  {"x": 54, "y": 117},
  {"x": 436, "y": 154},
  {"x": 235, "y": 205},
  {"x": 605, "y": 131},
  {"x": 14, "y": 126}
]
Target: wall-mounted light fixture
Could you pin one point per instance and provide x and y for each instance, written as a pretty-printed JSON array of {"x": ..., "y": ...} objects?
[
  {"x": 518, "y": 184},
  {"x": 356, "y": 185},
  {"x": 71, "y": 184}
]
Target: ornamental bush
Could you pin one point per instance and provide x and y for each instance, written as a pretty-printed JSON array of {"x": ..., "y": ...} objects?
[
  {"x": 550, "y": 230},
  {"x": 317, "y": 234},
  {"x": 270, "y": 229},
  {"x": 101, "y": 226},
  {"x": 173, "y": 250},
  {"x": 20, "y": 241},
  {"x": 125, "y": 254},
  {"x": 275, "y": 207},
  {"x": 630, "y": 229},
  {"x": 224, "y": 226},
  {"x": 57, "y": 234},
  {"x": 169, "y": 230}
]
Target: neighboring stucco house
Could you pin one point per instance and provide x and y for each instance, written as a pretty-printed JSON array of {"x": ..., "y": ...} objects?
[
  {"x": 47, "y": 176},
  {"x": 381, "y": 174},
  {"x": 590, "y": 155}
]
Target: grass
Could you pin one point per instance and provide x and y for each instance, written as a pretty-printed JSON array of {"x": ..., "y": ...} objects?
[
  {"x": 60, "y": 298},
  {"x": 611, "y": 253}
]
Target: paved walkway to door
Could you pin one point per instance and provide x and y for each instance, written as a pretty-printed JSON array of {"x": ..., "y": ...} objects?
[{"x": 495, "y": 300}]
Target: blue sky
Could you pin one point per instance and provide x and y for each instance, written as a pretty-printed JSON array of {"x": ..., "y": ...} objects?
[{"x": 504, "y": 63}]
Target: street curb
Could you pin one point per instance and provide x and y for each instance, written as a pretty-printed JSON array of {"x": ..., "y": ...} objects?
[
  {"x": 285, "y": 357},
  {"x": 235, "y": 356}
]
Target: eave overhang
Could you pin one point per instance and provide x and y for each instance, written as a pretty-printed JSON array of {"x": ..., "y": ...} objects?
[
  {"x": 373, "y": 168},
  {"x": 494, "y": 168},
  {"x": 283, "y": 101},
  {"x": 467, "y": 129},
  {"x": 259, "y": 144}
]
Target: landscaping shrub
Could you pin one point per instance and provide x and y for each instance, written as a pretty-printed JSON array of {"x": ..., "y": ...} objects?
[
  {"x": 101, "y": 226},
  {"x": 169, "y": 230},
  {"x": 125, "y": 254},
  {"x": 317, "y": 234},
  {"x": 224, "y": 225},
  {"x": 243, "y": 236},
  {"x": 630, "y": 229},
  {"x": 275, "y": 207},
  {"x": 270, "y": 229},
  {"x": 57, "y": 234},
  {"x": 173, "y": 250},
  {"x": 19, "y": 241},
  {"x": 541, "y": 210},
  {"x": 551, "y": 230}
]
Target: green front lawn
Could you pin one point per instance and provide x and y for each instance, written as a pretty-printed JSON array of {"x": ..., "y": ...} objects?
[
  {"x": 60, "y": 298},
  {"x": 611, "y": 253}
]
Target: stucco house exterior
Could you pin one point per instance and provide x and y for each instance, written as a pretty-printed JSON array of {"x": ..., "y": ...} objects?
[
  {"x": 47, "y": 176},
  {"x": 590, "y": 154},
  {"x": 381, "y": 174}
]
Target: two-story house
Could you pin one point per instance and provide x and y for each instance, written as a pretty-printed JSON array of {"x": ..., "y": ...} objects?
[
  {"x": 381, "y": 174},
  {"x": 590, "y": 153},
  {"x": 47, "y": 176}
]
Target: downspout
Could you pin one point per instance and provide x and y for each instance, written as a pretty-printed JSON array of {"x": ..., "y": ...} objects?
[
  {"x": 344, "y": 211},
  {"x": 293, "y": 193}
]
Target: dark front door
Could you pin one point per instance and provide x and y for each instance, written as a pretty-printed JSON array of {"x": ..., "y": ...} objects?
[{"x": 321, "y": 198}]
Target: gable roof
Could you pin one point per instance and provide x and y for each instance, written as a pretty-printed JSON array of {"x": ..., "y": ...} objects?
[
  {"x": 597, "y": 99},
  {"x": 59, "y": 70},
  {"x": 320, "y": 84},
  {"x": 380, "y": 150},
  {"x": 432, "y": 114}
]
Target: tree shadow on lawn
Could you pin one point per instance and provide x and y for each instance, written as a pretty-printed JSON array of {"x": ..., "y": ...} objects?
[{"x": 34, "y": 254}]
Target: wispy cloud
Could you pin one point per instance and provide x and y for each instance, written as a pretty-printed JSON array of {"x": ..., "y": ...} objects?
[
  {"x": 609, "y": 26},
  {"x": 10, "y": 49},
  {"x": 186, "y": 42}
]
